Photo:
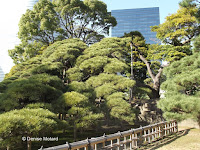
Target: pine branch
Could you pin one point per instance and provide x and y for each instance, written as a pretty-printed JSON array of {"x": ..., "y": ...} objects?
[{"x": 148, "y": 66}]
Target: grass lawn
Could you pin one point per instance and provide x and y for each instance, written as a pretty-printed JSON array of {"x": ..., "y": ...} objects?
[{"x": 189, "y": 139}]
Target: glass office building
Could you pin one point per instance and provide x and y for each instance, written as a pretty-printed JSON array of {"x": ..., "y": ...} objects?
[
  {"x": 1, "y": 74},
  {"x": 31, "y": 3},
  {"x": 139, "y": 19}
]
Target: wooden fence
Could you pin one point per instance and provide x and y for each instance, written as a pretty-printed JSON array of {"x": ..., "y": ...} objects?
[{"x": 131, "y": 139}]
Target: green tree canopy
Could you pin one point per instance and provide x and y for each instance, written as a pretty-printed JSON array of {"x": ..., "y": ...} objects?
[
  {"x": 106, "y": 56},
  {"x": 182, "y": 89},
  {"x": 61, "y": 19},
  {"x": 133, "y": 34},
  {"x": 179, "y": 28},
  {"x": 34, "y": 89},
  {"x": 111, "y": 91},
  {"x": 25, "y": 122},
  {"x": 80, "y": 112},
  {"x": 55, "y": 60},
  {"x": 42, "y": 78},
  {"x": 188, "y": 3},
  {"x": 98, "y": 68},
  {"x": 63, "y": 79},
  {"x": 196, "y": 44}
]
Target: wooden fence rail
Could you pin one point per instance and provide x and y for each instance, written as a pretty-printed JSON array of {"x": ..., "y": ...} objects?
[{"x": 131, "y": 139}]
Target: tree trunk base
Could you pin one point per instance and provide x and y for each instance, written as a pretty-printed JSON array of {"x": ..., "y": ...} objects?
[{"x": 149, "y": 113}]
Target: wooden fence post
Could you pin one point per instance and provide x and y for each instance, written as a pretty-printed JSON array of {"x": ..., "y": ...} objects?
[
  {"x": 134, "y": 140},
  {"x": 104, "y": 142},
  {"x": 153, "y": 133},
  {"x": 149, "y": 135},
  {"x": 118, "y": 142},
  {"x": 130, "y": 144},
  {"x": 141, "y": 137},
  {"x": 145, "y": 136},
  {"x": 176, "y": 126},
  {"x": 162, "y": 132},
  {"x": 124, "y": 142}
]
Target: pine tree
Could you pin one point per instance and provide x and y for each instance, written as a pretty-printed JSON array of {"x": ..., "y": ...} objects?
[{"x": 182, "y": 89}]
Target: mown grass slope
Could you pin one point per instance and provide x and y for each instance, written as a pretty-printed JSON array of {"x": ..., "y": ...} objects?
[{"x": 188, "y": 140}]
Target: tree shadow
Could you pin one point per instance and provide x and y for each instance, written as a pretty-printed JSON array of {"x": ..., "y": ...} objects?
[{"x": 168, "y": 139}]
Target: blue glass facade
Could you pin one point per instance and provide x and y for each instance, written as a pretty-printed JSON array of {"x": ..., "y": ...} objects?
[
  {"x": 1, "y": 74},
  {"x": 139, "y": 19},
  {"x": 31, "y": 3}
]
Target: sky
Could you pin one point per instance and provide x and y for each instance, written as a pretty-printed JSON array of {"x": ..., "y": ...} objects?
[{"x": 11, "y": 11}]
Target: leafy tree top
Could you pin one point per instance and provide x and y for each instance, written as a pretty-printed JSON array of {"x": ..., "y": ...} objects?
[
  {"x": 134, "y": 34},
  {"x": 106, "y": 56},
  {"x": 189, "y": 3},
  {"x": 179, "y": 28},
  {"x": 49, "y": 22},
  {"x": 54, "y": 58}
]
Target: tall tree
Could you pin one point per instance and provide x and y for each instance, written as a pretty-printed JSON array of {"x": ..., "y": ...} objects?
[
  {"x": 139, "y": 70},
  {"x": 98, "y": 68},
  {"x": 179, "y": 28},
  {"x": 88, "y": 20},
  {"x": 177, "y": 32},
  {"x": 147, "y": 68},
  {"x": 39, "y": 24},
  {"x": 156, "y": 54},
  {"x": 61, "y": 19}
]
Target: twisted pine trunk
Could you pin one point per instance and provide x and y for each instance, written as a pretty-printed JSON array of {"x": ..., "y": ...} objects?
[{"x": 155, "y": 78}]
